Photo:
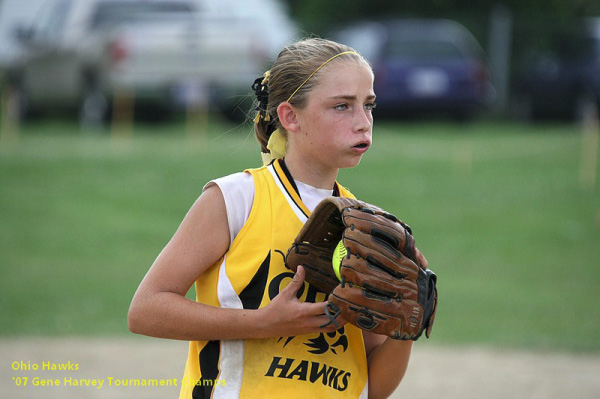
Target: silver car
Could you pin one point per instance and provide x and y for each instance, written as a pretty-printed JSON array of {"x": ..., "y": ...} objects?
[{"x": 165, "y": 54}]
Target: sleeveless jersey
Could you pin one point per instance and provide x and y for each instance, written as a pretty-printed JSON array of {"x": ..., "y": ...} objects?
[{"x": 251, "y": 273}]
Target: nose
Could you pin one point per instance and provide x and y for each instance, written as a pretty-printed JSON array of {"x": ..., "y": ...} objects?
[{"x": 363, "y": 120}]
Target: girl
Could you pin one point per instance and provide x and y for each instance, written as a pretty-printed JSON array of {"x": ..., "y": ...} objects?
[{"x": 255, "y": 326}]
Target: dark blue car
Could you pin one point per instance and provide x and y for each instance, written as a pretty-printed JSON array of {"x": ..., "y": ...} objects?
[
  {"x": 423, "y": 66},
  {"x": 564, "y": 83}
]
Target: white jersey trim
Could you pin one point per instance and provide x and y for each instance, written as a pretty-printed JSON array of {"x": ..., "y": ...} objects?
[
  {"x": 231, "y": 363},
  {"x": 365, "y": 392},
  {"x": 238, "y": 194},
  {"x": 299, "y": 213}
]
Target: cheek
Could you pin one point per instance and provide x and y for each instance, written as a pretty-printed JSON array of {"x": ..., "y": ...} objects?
[
  {"x": 334, "y": 135},
  {"x": 322, "y": 132},
  {"x": 326, "y": 132}
]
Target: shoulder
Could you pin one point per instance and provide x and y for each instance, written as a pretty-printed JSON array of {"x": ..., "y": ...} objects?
[
  {"x": 237, "y": 191},
  {"x": 240, "y": 181}
]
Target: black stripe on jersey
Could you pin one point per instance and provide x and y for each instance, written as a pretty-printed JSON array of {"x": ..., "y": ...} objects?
[
  {"x": 336, "y": 190},
  {"x": 286, "y": 171},
  {"x": 293, "y": 184},
  {"x": 252, "y": 294},
  {"x": 289, "y": 176},
  {"x": 209, "y": 360}
]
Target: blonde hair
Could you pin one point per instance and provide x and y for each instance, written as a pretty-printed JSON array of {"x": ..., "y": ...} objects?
[{"x": 292, "y": 77}]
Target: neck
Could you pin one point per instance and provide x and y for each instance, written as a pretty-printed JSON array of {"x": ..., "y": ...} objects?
[{"x": 310, "y": 173}]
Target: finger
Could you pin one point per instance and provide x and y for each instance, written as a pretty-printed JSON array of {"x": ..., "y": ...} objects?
[
  {"x": 339, "y": 320},
  {"x": 292, "y": 288},
  {"x": 326, "y": 326},
  {"x": 314, "y": 309},
  {"x": 421, "y": 258},
  {"x": 326, "y": 322}
]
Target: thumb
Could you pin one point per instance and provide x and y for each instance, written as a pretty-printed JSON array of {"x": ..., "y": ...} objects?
[
  {"x": 421, "y": 258},
  {"x": 292, "y": 289}
]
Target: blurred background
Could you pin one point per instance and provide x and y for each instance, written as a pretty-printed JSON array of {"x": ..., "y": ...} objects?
[
  {"x": 115, "y": 113},
  {"x": 528, "y": 60}
]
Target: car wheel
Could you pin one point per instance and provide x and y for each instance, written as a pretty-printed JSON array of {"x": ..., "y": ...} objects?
[{"x": 94, "y": 109}]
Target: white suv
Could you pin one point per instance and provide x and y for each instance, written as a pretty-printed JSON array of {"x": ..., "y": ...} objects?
[{"x": 79, "y": 53}]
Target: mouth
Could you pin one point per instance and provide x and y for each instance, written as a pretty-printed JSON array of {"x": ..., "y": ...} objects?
[{"x": 361, "y": 147}]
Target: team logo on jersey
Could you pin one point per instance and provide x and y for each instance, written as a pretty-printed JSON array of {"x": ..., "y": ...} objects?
[
  {"x": 335, "y": 341},
  {"x": 313, "y": 372}
]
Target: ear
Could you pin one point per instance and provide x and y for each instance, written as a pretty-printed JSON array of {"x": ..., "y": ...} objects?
[{"x": 287, "y": 117}]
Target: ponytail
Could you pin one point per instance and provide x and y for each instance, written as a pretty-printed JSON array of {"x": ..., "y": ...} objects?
[{"x": 263, "y": 123}]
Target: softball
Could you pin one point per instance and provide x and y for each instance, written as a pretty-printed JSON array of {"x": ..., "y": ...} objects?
[{"x": 336, "y": 260}]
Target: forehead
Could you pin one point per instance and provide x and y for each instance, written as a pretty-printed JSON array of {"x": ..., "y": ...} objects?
[{"x": 345, "y": 78}]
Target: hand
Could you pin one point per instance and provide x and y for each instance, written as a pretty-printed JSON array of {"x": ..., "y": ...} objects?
[{"x": 286, "y": 316}]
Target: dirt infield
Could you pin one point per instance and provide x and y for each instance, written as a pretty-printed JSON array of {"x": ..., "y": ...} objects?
[{"x": 150, "y": 368}]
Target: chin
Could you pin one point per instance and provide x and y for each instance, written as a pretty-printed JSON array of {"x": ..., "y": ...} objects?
[{"x": 350, "y": 163}]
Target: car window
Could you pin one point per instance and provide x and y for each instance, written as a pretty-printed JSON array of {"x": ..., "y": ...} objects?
[
  {"x": 51, "y": 24},
  {"x": 422, "y": 49},
  {"x": 111, "y": 13},
  {"x": 234, "y": 9},
  {"x": 364, "y": 39}
]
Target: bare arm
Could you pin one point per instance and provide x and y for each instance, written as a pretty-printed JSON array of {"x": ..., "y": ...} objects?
[
  {"x": 159, "y": 307},
  {"x": 387, "y": 358}
]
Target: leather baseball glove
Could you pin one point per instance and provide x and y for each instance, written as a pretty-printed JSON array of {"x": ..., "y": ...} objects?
[{"x": 383, "y": 287}]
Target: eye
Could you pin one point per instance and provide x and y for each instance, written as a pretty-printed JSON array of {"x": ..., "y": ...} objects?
[
  {"x": 341, "y": 107},
  {"x": 370, "y": 106}
]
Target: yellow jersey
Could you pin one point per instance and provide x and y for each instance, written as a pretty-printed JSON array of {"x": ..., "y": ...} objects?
[{"x": 249, "y": 276}]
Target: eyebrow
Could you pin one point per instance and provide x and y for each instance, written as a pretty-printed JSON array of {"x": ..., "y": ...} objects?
[{"x": 350, "y": 97}]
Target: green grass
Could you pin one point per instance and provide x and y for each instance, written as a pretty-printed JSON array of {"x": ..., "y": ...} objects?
[{"x": 497, "y": 209}]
